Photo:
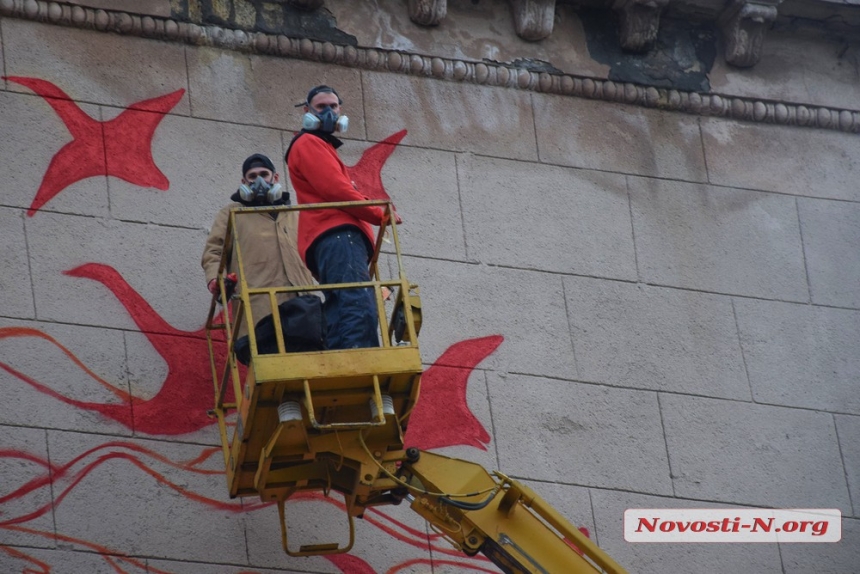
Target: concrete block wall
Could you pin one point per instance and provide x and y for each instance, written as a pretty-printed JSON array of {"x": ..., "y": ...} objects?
[{"x": 677, "y": 295}]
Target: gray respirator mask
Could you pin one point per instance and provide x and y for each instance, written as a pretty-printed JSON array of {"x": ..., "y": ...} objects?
[
  {"x": 327, "y": 121},
  {"x": 261, "y": 191}
]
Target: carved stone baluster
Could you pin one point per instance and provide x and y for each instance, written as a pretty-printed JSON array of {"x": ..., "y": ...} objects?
[
  {"x": 533, "y": 19},
  {"x": 306, "y": 4},
  {"x": 744, "y": 24},
  {"x": 639, "y": 21},
  {"x": 428, "y": 12}
]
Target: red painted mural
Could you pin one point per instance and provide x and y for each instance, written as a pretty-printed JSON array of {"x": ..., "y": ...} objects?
[
  {"x": 367, "y": 172},
  {"x": 443, "y": 398},
  {"x": 180, "y": 405},
  {"x": 53, "y": 483},
  {"x": 122, "y": 148}
]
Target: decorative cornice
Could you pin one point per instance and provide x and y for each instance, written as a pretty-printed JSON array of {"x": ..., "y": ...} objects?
[
  {"x": 638, "y": 23},
  {"x": 428, "y": 12},
  {"x": 533, "y": 19},
  {"x": 481, "y": 73},
  {"x": 744, "y": 23}
]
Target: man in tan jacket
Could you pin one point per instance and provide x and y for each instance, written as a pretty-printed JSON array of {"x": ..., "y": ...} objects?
[{"x": 268, "y": 241}]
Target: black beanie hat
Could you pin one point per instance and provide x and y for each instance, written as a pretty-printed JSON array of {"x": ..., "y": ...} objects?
[{"x": 257, "y": 160}]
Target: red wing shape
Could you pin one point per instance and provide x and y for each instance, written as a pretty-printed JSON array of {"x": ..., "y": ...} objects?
[
  {"x": 121, "y": 147},
  {"x": 367, "y": 173},
  {"x": 181, "y": 403},
  {"x": 442, "y": 416}
]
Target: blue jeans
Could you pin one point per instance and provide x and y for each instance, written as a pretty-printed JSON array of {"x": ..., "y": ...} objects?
[{"x": 350, "y": 314}]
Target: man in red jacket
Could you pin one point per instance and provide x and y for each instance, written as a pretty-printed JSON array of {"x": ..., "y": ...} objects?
[{"x": 335, "y": 244}]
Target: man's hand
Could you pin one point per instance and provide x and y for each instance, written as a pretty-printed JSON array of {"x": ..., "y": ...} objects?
[
  {"x": 386, "y": 219},
  {"x": 229, "y": 282}
]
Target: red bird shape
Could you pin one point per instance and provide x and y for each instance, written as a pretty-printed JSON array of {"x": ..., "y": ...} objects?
[
  {"x": 442, "y": 416},
  {"x": 367, "y": 172},
  {"x": 121, "y": 147},
  {"x": 180, "y": 405}
]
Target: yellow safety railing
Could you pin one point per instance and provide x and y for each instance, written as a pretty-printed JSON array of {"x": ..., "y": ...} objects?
[{"x": 223, "y": 326}]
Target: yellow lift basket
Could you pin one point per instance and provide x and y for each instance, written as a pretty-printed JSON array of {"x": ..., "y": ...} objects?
[{"x": 315, "y": 421}]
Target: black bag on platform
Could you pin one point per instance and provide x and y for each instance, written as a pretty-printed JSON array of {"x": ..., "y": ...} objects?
[{"x": 302, "y": 325}]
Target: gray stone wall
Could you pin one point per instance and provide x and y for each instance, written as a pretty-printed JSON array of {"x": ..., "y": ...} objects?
[{"x": 678, "y": 296}]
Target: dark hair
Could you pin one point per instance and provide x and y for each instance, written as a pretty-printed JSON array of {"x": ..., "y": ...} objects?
[{"x": 322, "y": 89}]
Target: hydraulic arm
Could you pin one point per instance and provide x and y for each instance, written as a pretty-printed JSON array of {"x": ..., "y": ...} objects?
[{"x": 502, "y": 519}]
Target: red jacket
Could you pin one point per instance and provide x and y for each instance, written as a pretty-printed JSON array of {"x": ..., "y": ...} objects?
[{"x": 319, "y": 176}]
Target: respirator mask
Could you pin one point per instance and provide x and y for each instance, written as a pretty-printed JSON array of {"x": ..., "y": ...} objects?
[
  {"x": 326, "y": 120},
  {"x": 261, "y": 191}
]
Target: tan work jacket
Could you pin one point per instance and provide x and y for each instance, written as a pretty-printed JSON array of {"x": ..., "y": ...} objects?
[{"x": 270, "y": 256}]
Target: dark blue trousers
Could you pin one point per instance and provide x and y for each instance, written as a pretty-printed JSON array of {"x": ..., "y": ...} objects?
[{"x": 350, "y": 314}]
